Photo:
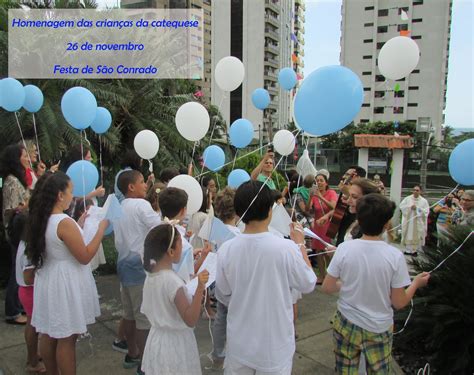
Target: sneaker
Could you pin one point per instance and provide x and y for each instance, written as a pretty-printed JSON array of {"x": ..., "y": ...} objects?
[
  {"x": 130, "y": 362},
  {"x": 120, "y": 346}
]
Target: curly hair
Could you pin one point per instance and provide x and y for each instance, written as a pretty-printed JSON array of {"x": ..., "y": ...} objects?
[
  {"x": 156, "y": 244},
  {"x": 224, "y": 205},
  {"x": 10, "y": 163},
  {"x": 41, "y": 205}
]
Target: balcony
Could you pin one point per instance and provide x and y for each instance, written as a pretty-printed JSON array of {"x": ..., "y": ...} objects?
[
  {"x": 268, "y": 75},
  {"x": 272, "y": 89},
  {"x": 271, "y": 62},
  {"x": 300, "y": 3},
  {"x": 272, "y": 20},
  {"x": 272, "y": 49},
  {"x": 273, "y": 5},
  {"x": 272, "y": 34}
]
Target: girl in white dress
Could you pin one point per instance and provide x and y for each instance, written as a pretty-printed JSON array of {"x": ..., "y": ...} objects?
[
  {"x": 171, "y": 345},
  {"x": 65, "y": 295}
]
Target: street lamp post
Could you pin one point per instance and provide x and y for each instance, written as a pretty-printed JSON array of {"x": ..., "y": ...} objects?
[{"x": 423, "y": 125}]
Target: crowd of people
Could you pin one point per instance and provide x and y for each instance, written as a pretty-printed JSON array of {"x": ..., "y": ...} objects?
[{"x": 260, "y": 273}]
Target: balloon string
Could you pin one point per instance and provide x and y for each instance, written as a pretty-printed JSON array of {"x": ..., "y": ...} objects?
[
  {"x": 214, "y": 121},
  {"x": 217, "y": 180},
  {"x": 150, "y": 166},
  {"x": 23, "y": 140},
  {"x": 82, "y": 132},
  {"x": 261, "y": 188},
  {"x": 36, "y": 136},
  {"x": 100, "y": 161},
  {"x": 235, "y": 157}
]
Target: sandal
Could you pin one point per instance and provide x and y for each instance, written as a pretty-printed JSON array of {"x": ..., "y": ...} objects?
[{"x": 20, "y": 320}]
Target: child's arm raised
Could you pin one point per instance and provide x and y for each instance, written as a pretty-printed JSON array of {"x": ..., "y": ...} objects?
[
  {"x": 69, "y": 233},
  {"x": 190, "y": 312},
  {"x": 400, "y": 297}
]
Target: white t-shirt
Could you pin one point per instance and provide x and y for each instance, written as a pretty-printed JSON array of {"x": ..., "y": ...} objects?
[
  {"x": 138, "y": 218},
  {"x": 368, "y": 270},
  {"x": 255, "y": 273},
  {"x": 22, "y": 264}
]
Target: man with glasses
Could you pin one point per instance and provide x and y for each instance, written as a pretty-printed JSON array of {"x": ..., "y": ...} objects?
[
  {"x": 467, "y": 204},
  {"x": 263, "y": 171},
  {"x": 415, "y": 210}
]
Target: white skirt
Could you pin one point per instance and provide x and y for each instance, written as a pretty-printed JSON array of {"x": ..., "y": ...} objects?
[
  {"x": 171, "y": 352},
  {"x": 65, "y": 299}
]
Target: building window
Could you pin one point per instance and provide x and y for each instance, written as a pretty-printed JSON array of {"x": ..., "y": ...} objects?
[
  {"x": 416, "y": 37},
  {"x": 379, "y": 109},
  {"x": 367, "y": 57},
  {"x": 413, "y": 88},
  {"x": 366, "y": 105},
  {"x": 368, "y": 24},
  {"x": 380, "y": 45},
  {"x": 364, "y": 121},
  {"x": 383, "y": 12},
  {"x": 379, "y": 94},
  {"x": 399, "y": 94},
  {"x": 367, "y": 89},
  {"x": 368, "y": 40},
  {"x": 418, "y": 2},
  {"x": 397, "y": 110},
  {"x": 415, "y": 20},
  {"x": 416, "y": 71},
  {"x": 413, "y": 104},
  {"x": 382, "y": 29},
  {"x": 405, "y": 9},
  {"x": 402, "y": 27},
  {"x": 366, "y": 73},
  {"x": 369, "y": 8},
  {"x": 379, "y": 78}
]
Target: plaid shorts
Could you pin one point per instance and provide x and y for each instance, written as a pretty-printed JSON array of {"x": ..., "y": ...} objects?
[{"x": 351, "y": 341}]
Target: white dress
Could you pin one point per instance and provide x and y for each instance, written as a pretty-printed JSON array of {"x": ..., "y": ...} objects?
[
  {"x": 65, "y": 295},
  {"x": 171, "y": 346}
]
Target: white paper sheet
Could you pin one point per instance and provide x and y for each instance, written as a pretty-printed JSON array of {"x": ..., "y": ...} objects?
[
  {"x": 309, "y": 233},
  {"x": 209, "y": 264},
  {"x": 280, "y": 220}
]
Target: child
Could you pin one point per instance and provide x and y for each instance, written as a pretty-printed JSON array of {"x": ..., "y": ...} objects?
[
  {"x": 138, "y": 217},
  {"x": 25, "y": 274},
  {"x": 65, "y": 294},
  {"x": 171, "y": 346},
  {"x": 370, "y": 276},
  {"x": 173, "y": 203},
  {"x": 255, "y": 272}
]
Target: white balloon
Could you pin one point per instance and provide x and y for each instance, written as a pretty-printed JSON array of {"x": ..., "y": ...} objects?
[
  {"x": 192, "y": 121},
  {"x": 284, "y": 142},
  {"x": 146, "y": 144},
  {"x": 192, "y": 188},
  {"x": 398, "y": 57},
  {"x": 229, "y": 73}
]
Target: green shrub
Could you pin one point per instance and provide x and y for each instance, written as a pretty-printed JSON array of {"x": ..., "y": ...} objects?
[{"x": 442, "y": 323}]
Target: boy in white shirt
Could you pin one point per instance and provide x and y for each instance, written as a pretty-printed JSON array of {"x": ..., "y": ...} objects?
[
  {"x": 138, "y": 218},
  {"x": 370, "y": 276},
  {"x": 255, "y": 272}
]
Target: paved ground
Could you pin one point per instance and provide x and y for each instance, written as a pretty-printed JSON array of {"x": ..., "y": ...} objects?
[{"x": 95, "y": 355}]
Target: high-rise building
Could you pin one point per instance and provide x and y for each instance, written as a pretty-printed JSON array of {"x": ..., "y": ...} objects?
[
  {"x": 264, "y": 35},
  {"x": 367, "y": 25}
]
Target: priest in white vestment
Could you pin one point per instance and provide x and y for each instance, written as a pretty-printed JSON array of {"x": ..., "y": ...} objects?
[{"x": 415, "y": 210}]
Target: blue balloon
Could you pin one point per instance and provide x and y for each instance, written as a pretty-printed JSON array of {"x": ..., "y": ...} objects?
[
  {"x": 461, "y": 163},
  {"x": 84, "y": 176},
  {"x": 260, "y": 98},
  {"x": 237, "y": 177},
  {"x": 328, "y": 100},
  {"x": 214, "y": 158},
  {"x": 33, "y": 98},
  {"x": 287, "y": 78},
  {"x": 13, "y": 94},
  {"x": 102, "y": 121},
  {"x": 79, "y": 107},
  {"x": 241, "y": 133}
]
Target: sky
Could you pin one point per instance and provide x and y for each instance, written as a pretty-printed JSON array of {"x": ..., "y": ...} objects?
[{"x": 322, "y": 33}]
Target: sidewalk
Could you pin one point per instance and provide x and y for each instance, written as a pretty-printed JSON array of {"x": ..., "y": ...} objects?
[{"x": 95, "y": 355}]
